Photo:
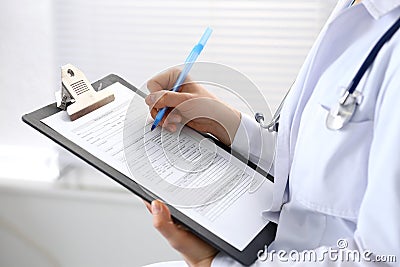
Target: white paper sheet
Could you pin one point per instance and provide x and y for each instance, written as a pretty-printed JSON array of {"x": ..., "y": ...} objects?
[{"x": 173, "y": 166}]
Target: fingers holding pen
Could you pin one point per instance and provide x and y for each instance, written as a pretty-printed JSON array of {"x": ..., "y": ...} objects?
[
  {"x": 165, "y": 98},
  {"x": 169, "y": 121},
  {"x": 164, "y": 80},
  {"x": 161, "y": 99}
]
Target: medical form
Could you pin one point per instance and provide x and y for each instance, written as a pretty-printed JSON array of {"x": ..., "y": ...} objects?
[{"x": 198, "y": 178}]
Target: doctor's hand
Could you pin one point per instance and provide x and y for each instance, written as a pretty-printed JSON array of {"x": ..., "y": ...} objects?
[
  {"x": 192, "y": 105},
  {"x": 195, "y": 251}
]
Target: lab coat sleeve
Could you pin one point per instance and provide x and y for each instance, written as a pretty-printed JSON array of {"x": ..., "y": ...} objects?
[
  {"x": 377, "y": 237},
  {"x": 255, "y": 143}
]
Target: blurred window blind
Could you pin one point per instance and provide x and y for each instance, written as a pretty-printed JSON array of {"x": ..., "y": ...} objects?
[{"x": 265, "y": 39}]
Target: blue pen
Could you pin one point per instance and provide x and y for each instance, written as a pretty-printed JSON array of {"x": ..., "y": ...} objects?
[{"x": 182, "y": 76}]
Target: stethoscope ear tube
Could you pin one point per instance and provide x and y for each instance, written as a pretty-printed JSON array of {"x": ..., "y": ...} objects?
[
  {"x": 341, "y": 113},
  {"x": 272, "y": 126},
  {"x": 274, "y": 123},
  {"x": 372, "y": 55}
]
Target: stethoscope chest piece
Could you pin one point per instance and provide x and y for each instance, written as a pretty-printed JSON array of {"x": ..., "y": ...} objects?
[{"x": 340, "y": 114}]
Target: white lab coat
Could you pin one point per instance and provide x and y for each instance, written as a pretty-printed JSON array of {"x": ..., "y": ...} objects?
[{"x": 344, "y": 184}]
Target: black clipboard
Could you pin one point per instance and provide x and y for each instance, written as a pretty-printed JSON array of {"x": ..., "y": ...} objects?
[{"x": 246, "y": 257}]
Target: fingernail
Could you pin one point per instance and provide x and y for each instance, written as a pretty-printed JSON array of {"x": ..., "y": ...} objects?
[
  {"x": 155, "y": 207},
  {"x": 171, "y": 127},
  {"x": 151, "y": 99},
  {"x": 176, "y": 119}
]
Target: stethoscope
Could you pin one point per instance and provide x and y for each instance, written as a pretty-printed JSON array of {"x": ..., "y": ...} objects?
[{"x": 341, "y": 113}]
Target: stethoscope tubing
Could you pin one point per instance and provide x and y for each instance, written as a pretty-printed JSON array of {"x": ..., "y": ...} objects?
[{"x": 350, "y": 92}]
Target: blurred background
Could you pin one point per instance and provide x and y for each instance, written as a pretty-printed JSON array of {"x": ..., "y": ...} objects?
[{"x": 56, "y": 210}]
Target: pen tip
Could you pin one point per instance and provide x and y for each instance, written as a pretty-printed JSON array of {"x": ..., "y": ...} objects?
[{"x": 152, "y": 127}]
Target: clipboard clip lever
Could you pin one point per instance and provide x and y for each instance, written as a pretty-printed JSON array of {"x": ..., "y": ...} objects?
[
  {"x": 66, "y": 98},
  {"x": 77, "y": 96}
]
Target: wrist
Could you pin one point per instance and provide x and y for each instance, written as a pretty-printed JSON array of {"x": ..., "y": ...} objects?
[
  {"x": 203, "y": 263},
  {"x": 226, "y": 124}
]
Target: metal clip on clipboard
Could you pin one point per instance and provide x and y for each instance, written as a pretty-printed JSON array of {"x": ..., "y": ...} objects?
[{"x": 77, "y": 96}]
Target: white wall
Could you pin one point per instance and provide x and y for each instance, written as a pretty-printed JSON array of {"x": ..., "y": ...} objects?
[
  {"x": 28, "y": 78},
  {"x": 70, "y": 225},
  {"x": 267, "y": 40},
  {"x": 85, "y": 219},
  {"x": 28, "y": 75}
]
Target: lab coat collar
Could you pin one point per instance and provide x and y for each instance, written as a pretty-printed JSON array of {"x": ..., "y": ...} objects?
[{"x": 379, "y": 8}]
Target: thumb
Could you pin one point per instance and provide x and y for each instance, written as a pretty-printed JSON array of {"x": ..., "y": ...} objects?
[
  {"x": 162, "y": 220},
  {"x": 164, "y": 98}
]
